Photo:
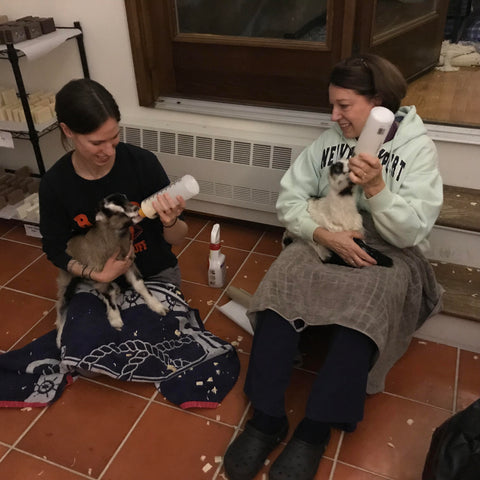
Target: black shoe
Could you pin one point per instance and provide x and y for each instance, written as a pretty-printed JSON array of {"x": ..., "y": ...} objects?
[
  {"x": 248, "y": 452},
  {"x": 299, "y": 460}
]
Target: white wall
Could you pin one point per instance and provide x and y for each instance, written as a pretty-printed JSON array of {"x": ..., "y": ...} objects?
[{"x": 110, "y": 62}]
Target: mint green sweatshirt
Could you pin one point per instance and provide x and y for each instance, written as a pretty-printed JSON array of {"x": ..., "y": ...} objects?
[{"x": 404, "y": 212}]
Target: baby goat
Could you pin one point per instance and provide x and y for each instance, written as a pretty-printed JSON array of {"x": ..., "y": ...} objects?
[
  {"x": 110, "y": 234},
  {"x": 337, "y": 212}
]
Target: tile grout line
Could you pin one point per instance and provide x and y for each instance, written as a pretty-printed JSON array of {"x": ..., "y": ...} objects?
[
  {"x": 337, "y": 454},
  {"x": 127, "y": 436},
  {"x": 50, "y": 462},
  {"x": 32, "y": 327},
  {"x": 23, "y": 269},
  {"x": 8, "y": 231},
  {"x": 30, "y": 426},
  {"x": 41, "y": 297},
  {"x": 455, "y": 385},
  {"x": 235, "y": 433},
  {"x": 57, "y": 465},
  {"x": 156, "y": 401},
  {"x": 20, "y": 242},
  {"x": 356, "y": 467},
  {"x": 415, "y": 401},
  {"x": 188, "y": 412},
  {"x": 14, "y": 447},
  {"x": 192, "y": 239},
  {"x": 224, "y": 290}
]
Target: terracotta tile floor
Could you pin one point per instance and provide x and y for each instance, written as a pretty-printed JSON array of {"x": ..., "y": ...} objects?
[{"x": 105, "y": 429}]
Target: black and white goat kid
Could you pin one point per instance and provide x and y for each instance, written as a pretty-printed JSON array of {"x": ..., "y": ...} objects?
[
  {"x": 109, "y": 234},
  {"x": 337, "y": 212}
]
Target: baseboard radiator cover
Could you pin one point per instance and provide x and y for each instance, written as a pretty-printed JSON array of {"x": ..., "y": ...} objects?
[{"x": 234, "y": 173}]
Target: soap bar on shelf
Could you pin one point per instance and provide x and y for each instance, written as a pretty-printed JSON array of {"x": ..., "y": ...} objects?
[
  {"x": 12, "y": 32},
  {"x": 47, "y": 24},
  {"x": 32, "y": 28}
]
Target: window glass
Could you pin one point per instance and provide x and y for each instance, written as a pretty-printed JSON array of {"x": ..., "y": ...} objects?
[
  {"x": 392, "y": 15},
  {"x": 280, "y": 19}
]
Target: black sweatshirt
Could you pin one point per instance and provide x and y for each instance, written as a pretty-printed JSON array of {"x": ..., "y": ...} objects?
[{"x": 68, "y": 204}]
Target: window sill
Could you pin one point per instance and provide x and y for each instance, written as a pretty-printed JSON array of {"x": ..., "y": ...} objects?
[{"x": 438, "y": 132}]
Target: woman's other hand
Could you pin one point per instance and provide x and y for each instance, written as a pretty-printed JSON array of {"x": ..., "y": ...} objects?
[
  {"x": 174, "y": 229},
  {"x": 344, "y": 246},
  {"x": 366, "y": 171},
  {"x": 167, "y": 209}
]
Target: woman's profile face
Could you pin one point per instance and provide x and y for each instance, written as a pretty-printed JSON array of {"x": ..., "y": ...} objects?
[
  {"x": 98, "y": 147},
  {"x": 349, "y": 109}
]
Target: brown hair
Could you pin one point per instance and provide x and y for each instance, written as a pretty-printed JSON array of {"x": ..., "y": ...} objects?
[
  {"x": 84, "y": 105},
  {"x": 371, "y": 76}
]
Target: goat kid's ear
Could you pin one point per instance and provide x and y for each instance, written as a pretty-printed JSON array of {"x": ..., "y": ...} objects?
[{"x": 100, "y": 216}]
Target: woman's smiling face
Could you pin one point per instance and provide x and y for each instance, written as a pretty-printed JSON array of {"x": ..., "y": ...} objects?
[
  {"x": 349, "y": 109},
  {"x": 98, "y": 147}
]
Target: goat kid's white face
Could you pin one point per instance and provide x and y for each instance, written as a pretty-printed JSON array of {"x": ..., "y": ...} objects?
[
  {"x": 128, "y": 209},
  {"x": 339, "y": 175}
]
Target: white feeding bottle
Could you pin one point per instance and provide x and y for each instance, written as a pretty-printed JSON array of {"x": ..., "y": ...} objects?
[
  {"x": 216, "y": 260},
  {"x": 375, "y": 131},
  {"x": 187, "y": 187}
]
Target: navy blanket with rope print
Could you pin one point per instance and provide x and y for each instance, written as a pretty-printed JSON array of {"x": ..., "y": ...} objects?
[{"x": 190, "y": 366}]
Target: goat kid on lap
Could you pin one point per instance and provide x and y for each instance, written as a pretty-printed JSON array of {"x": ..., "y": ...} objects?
[
  {"x": 110, "y": 234},
  {"x": 337, "y": 212}
]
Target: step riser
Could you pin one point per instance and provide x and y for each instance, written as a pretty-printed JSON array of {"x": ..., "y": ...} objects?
[
  {"x": 458, "y": 163},
  {"x": 454, "y": 246}
]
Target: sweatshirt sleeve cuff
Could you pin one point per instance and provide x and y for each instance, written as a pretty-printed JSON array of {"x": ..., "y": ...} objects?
[
  {"x": 381, "y": 201},
  {"x": 307, "y": 228}
]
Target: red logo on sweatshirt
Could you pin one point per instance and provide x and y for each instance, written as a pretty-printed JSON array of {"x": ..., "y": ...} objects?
[{"x": 82, "y": 220}]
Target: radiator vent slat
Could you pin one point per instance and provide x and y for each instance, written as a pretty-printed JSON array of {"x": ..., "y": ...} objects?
[
  {"x": 241, "y": 152},
  {"x": 261, "y": 155},
  {"x": 223, "y": 190},
  {"x": 261, "y": 196},
  {"x": 223, "y": 150},
  {"x": 282, "y": 157},
  {"x": 206, "y": 187},
  {"x": 150, "y": 140},
  {"x": 274, "y": 198},
  {"x": 242, "y": 193},
  {"x": 203, "y": 148},
  {"x": 228, "y": 190},
  {"x": 133, "y": 136},
  {"x": 185, "y": 145},
  {"x": 167, "y": 142}
]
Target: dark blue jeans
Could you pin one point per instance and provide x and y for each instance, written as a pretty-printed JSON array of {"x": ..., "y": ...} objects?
[{"x": 339, "y": 391}]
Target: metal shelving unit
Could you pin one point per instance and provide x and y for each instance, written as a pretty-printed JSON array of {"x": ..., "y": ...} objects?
[{"x": 13, "y": 54}]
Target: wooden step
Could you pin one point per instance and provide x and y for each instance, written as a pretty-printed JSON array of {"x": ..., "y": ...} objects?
[
  {"x": 461, "y": 208},
  {"x": 462, "y": 289}
]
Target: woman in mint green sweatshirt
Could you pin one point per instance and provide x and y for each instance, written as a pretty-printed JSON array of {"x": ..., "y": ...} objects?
[{"x": 367, "y": 312}]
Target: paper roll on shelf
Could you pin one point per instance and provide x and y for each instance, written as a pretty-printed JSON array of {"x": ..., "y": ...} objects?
[
  {"x": 236, "y": 309},
  {"x": 238, "y": 314},
  {"x": 239, "y": 295}
]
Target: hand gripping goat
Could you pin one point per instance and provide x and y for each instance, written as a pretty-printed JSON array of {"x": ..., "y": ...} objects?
[
  {"x": 110, "y": 234},
  {"x": 337, "y": 212}
]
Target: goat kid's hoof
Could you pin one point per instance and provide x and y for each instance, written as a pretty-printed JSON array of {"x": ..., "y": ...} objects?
[
  {"x": 157, "y": 307},
  {"x": 116, "y": 323}
]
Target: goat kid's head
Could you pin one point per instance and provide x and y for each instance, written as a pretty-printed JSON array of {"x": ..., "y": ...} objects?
[
  {"x": 119, "y": 207},
  {"x": 339, "y": 176}
]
